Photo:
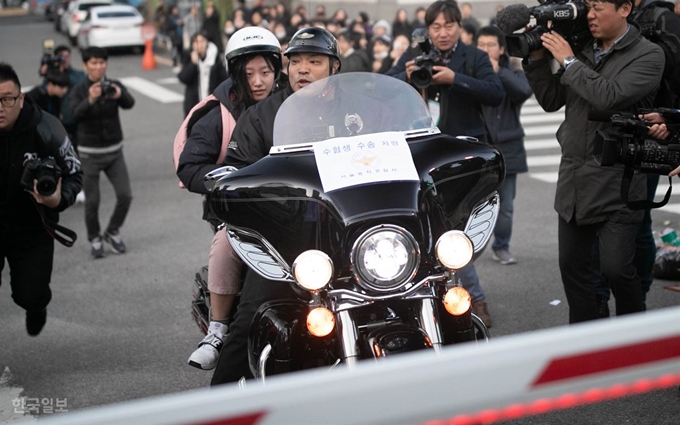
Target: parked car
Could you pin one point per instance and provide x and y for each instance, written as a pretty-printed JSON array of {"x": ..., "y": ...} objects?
[
  {"x": 55, "y": 10},
  {"x": 111, "y": 26},
  {"x": 75, "y": 14}
]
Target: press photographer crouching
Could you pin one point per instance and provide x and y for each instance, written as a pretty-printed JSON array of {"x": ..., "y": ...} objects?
[
  {"x": 39, "y": 177},
  {"x": 617, "y": 70}
]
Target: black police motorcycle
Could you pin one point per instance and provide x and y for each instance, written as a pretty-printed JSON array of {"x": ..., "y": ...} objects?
[{"x": 368, "y": 211}]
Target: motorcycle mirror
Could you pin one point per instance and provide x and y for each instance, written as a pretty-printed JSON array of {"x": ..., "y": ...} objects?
[{"x": 210, "y": 179}]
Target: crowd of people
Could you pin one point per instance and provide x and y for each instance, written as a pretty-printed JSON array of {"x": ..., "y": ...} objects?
[{"x": 239, "y": 76}]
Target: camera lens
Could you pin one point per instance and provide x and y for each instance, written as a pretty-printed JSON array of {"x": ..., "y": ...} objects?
[
  {"x": 46, "y": 185},
  {"x": 422, "y": 76}
]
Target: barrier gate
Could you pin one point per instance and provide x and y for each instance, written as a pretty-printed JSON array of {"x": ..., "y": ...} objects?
[{"x": 507, "y": 378}]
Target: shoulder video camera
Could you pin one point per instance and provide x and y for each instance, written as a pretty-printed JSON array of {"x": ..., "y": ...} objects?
[
  {"x": 568, "y": 19},
  {"x": 421, "y": 77},
  {"x": 45, "y": 171},
  {"x": 48, "y": 58},
  {"x": 629, "y": 144}
]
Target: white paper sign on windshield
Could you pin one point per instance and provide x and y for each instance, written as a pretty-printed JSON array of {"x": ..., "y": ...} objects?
[{"x": 372, "y": 158}]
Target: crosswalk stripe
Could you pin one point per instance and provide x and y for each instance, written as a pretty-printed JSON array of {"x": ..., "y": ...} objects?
[
  {"x": 541, "y": 144},
  {"x": 672, "y": 208},
  {"x": 171, "y": 80},
  {"x": 542, "y": 119},
  {"x": 542, "y": 160},
  {"x": 152, "y": 90},
  {"x": 543, "y": 130},
  {"x": 545, "y": 177}
]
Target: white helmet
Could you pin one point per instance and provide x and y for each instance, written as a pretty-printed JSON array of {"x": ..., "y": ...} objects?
[{"x": 254, "y": 40}]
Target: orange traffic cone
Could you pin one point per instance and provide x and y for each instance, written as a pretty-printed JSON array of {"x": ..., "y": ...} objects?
[{"x": 149, "y": 60}]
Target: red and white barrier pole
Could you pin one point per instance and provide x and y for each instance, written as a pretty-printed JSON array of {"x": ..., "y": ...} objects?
[{"x": 510, "y": 377}]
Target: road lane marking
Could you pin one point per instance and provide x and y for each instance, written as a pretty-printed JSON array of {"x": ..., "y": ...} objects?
[{"x": 152, "y": 90}]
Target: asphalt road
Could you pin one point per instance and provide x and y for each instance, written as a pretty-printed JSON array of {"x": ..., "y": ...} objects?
[{"x": 120, "y": 328}]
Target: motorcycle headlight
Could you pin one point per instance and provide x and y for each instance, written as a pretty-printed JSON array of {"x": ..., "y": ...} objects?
[
  {"x": 385, "y": 257},
  {"x": 313, "y": 270},
  {"x": 454, "y": 249}
]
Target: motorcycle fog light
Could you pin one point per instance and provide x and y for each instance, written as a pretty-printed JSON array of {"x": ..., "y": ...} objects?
[
  {"x": 320, "y": 321},
  {"x": 457, "y": 301},
  {"x": 313, "y": 270},
  {"x": 454, "y": 249}
]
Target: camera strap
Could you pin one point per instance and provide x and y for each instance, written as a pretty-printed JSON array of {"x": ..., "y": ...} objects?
[
  {"x": 641, "y": 205},
  {"x": 61, "y": 234}
]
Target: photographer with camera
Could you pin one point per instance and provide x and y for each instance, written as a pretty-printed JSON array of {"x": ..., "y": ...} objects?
[
  {"x": 618, "y": 70},
  {"x": 39, "y": 177},
  {"x": 95, "y": 104},
  {"x": 458, "y": 80},
  {"x": 48, "y": 96}
]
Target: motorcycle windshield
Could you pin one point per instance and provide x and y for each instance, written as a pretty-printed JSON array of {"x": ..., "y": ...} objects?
[{"x": 344, "y": 105}]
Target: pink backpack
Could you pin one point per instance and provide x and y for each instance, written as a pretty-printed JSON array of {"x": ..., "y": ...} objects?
[{"x": 228, "y": 124}]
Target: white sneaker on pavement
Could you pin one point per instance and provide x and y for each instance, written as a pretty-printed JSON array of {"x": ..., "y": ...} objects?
[{"x": 208, "y": 351}]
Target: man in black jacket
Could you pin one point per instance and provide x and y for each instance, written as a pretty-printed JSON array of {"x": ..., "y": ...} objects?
[
  {"x": 48, "y": 96},
  {"x": 28, "y": 134},
  {"x": 95, "y": 104}
]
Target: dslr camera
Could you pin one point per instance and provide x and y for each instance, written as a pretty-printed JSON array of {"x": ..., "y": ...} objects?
[
  {"x": 45, "y": 171},
  {"x": 568, "y": 17},
  {"x": 629, "y": 144},
  {"x": 107, "y": 87},
  {"x": 421, "y": 77},
  {"x": 48, "y": 58}
]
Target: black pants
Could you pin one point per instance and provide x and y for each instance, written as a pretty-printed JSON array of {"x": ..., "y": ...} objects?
[
  {"x": 29, "y": 255},
  {"x": 616, "y": 243},
  {"x": 113, "y": 165},
  {"x": 233, "y": 362}
]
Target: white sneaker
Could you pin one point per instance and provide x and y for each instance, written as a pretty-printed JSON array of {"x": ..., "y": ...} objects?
[
  {"x": 80, "y": 197},
  {"x": 208, "y": 351}
]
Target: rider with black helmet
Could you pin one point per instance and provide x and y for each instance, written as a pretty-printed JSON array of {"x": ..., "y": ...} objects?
[{"x": 313, "y": 55}]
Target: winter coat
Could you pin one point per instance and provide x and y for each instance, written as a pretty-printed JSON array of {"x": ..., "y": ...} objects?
[
  {"x": 253, "y": 135},
  {"x": 49, "y": 104},
  {"x": 190, "y": 76},
  {"x": 502, "y": 122},
  {"x": 99, "y": 126},
  {"x": 357, "y": 61},
  {"x": 35, "y": 135},
  {"x": 461, "y": 103},
  {"x": 626, "y": 79}
]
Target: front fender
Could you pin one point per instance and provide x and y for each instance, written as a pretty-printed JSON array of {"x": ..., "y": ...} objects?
[
  {"x": 395, "y": 339},
  {"x": 283, "y": 325}
]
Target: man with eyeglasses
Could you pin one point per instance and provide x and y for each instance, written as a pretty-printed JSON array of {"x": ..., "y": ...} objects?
[
  {"x": 460, "y": 87},
  {"x": 27, "y": 134}
]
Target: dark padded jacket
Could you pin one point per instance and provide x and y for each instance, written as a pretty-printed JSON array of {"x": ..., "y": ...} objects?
[
  {"x": 254, "y": 133},
  {"x": 502, "y": 122},
  {"x": 204, "y": 140},
  {"x": 98, "y": 123},
  {"x": 36, "y": 134},
  {"x": 461, "y": 113}
]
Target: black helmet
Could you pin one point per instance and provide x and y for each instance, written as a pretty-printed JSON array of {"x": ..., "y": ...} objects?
[{"x": 313, "y": 40}]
